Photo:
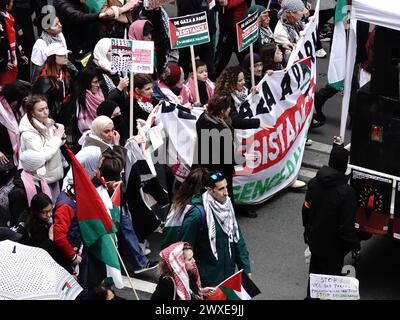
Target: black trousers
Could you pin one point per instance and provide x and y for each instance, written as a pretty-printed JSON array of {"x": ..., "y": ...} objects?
[
  {"x": 227, "y": 44},
  {"x": 319, "y": 265}
]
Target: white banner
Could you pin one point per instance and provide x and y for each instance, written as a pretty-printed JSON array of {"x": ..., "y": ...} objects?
[
  {"x": 285, "y": 101},
  {"x": 327, "y": 287}
]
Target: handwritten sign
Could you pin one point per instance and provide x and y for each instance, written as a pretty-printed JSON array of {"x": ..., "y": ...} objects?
[{"x": 327, "y": 287}]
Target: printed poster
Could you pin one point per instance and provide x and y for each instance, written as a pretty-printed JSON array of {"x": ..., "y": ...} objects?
[{"x": 374, "y": 194}]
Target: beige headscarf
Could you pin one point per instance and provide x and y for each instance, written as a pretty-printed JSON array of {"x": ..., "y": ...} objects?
[{"x": 99, "y": 124}]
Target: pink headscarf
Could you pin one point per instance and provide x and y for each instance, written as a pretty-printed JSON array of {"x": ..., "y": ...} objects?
[
  {"x": 136, "y": 29},
  {"x": 8, "y": 120},
  {"x": 173, "y": 257}
]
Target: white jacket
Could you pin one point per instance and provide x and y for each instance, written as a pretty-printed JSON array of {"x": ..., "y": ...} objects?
[{"x": 45, "y": 143}]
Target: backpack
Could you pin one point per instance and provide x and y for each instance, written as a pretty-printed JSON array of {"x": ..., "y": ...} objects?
[{"x": 170, "y": 235}]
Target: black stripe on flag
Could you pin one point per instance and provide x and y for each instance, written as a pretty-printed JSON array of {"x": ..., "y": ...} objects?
[{"x": 249, "y": 285}]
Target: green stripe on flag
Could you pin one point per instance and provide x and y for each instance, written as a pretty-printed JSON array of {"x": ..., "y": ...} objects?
[
  {"x": 91, "y": 228},
  {"x": 230, "y": 294}
]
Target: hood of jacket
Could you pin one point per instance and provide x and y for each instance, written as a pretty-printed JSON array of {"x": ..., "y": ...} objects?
[
  {"x": 330, "y": 177},
  {"x": 26, "y": 126}
]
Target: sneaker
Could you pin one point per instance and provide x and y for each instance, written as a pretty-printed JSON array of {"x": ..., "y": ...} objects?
[
  {"x": 145, "y": 250},
  {"x": 321, "y": 53},
  {"x": 147, "y": 267},
  {"x": 309, "y": 142},
  {"x": 298, "y": 184},
  {"x": 324, "y": 38}
]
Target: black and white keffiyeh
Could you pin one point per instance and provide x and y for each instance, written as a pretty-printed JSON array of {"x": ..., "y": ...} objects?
[{"x": 224, "y": 214}]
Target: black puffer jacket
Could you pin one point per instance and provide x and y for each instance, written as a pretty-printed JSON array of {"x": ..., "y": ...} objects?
[{"x": 328, "y": 215}]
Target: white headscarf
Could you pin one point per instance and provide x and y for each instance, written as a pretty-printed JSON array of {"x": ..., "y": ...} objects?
[
  {"x": 89, "y": 158},
  {"x": 99, "y": 124},
  {"x": 100, "y": 54}
]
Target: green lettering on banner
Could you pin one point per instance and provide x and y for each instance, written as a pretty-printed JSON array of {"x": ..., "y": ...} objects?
[
  {"x": 260, "y": 188},
  {"x": 296, "y": 155},
  {"x": 254, "y": 189},
  {"x": 290, "y": 167},
  {"x": 245, "y": 194},
  {"x": 236, "y": 192}
]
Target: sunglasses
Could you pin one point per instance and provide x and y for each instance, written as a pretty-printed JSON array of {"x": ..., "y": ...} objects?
[{"x": 217, "y": 175}]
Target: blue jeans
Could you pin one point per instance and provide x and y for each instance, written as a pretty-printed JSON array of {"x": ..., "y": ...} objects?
[{"x": 128, "y": 241}]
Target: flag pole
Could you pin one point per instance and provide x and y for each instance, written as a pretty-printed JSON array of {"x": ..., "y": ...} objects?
[
  {"x": 123, "y": 265},
  {"x": 131, "y": 105},
  {"x": 253, "y": 82},
  {"x": 196, "y": 85},
  {"x": 269, "y": 2}
]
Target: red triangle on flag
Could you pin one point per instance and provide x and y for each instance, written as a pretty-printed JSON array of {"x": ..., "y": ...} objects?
[
  {"x": 233, "y": 282},
  {"x": 89, "y": 205},
  {"x": 116, "y": 197}
]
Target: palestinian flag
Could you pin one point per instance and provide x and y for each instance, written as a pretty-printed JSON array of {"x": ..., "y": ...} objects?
[
  {"x": 173, "y": 225},
  {"x": 236, "y": 287},
  {"x": 337, "y": 61},
  {"x": 116, "y": 210},
  {"x": 95, "y": 222},
  {"x": 95, "y": 5}
]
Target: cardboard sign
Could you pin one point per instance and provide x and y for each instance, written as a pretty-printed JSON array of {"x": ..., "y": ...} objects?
[
  {"x": 132, "y": 55},
  {"x": 247, "y": 31},
  {"x": 327, "y": 287},
  {"x": 142, "y": 56},
  {"x": 374, "y": 194},
  {"x": 190, "y": 30},
  {"x": 121, "y": 54}
]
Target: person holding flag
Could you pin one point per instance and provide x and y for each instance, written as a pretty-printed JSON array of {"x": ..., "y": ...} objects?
[
  {"x": 180, "y": 278},
  {"x": 82, "y": 228}
]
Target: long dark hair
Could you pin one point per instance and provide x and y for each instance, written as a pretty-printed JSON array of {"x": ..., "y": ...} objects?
[
  {"x": 83, "y": 83},
  {"x": 38, "y": 203},
  {"x": 195, "y": 183},
  {"x": 267, "y": 52}
]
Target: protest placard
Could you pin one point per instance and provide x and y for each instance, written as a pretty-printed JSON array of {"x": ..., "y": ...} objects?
[
  {"x": 190, "y": 30},
  {"x": 328, "y": 287}
]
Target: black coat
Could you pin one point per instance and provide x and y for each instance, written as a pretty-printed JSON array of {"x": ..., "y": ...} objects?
[
  {"x": 79, "y": 26},
  {"x": 328, "y": 215},
  {"x": 186, "y": 7}
]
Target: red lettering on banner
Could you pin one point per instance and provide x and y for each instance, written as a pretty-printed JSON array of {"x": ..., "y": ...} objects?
[{"x": 274, "y": 144}]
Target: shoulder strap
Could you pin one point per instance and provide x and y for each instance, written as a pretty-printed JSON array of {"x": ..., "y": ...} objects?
[{"x": 202, "y": 219}]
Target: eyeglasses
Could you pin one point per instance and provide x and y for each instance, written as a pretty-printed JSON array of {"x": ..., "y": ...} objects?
[{"x": 217, "y": 175}]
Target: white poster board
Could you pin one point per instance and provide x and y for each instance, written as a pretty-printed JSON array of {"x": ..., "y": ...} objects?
[{"x": 327, "y": 287}]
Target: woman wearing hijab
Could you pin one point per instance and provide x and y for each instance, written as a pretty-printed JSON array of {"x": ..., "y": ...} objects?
[
  {"x": 143, "y": 30},
  {"x": 179, "y": 279},
  {"x": 66, "y": 232},
  {"x": 110, "y": 82},
  {"x": 113, "y": 111},
  {"x": 104, "y": 136}
]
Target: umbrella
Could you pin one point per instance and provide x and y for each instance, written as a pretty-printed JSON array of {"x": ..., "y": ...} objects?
[{"x": 30, "y": 273}]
